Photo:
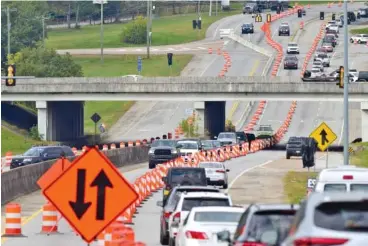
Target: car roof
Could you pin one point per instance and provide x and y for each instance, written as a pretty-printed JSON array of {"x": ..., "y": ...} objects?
[
  {"x": 186, "y": 168},
  {"x": 193, "y": 187},
  {"x": 218, "y": 208},
  {"x": 205, "y": 194},
  {"x": 292, "y": 43},
  {"x": 315, "y": 198},
  {"x": 260, "y": 207},
  {"x": 248, "y": 24}
]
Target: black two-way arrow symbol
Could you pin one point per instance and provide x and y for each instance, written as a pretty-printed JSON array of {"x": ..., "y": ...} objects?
[
  {"x": 102, "y": 182},
  {"x": 80, "y": 207},
  {"x": 324, "y": 137}
]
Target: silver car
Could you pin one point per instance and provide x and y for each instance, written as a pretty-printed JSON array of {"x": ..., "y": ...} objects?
[
  {"x": 331, "y": 218},
  {"x": 216, "y": 173}
]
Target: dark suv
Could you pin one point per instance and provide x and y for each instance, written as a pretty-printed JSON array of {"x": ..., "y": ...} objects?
[
  {"x": 284, "y": 30},
  {"x": 189, "y": 176},
  {"x": 162, "y": 151},
  {"x": 247, "y": 28},
  {"x": 170, "y": 204},
  {"x": 294, "y": 146},
  {"x": 39, "y": 154}
]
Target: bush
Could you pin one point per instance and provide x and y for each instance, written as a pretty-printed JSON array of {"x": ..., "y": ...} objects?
[
  {"x": 190, "y": 130},
  {"x": 135, "y": 32},
  {"x": 34, "y": 134}
]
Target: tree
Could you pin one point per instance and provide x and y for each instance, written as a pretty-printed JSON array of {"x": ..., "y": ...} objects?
[
  {"x": 26, "y": 24},
  {"x": 43, "y": 62},
  {"x": 135, "y": 31}
]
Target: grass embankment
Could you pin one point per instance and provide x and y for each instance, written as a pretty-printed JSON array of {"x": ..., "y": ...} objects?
[
  {"x": 360, "y": 30},
  {"x": 295, "y": 185},
  {"x": 360, "y": 157},
  {"x": 165, "y": 31}
]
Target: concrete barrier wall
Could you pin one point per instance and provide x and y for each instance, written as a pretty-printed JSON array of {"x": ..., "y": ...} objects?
[{"x": 22, "y": 181}]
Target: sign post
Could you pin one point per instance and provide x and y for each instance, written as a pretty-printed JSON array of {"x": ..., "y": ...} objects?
[
  {"x": 139, "y": 65},
  {"x": 324, "y": 137},
  {"x": 95, "y": 118},
  {"x": 91, "y": 194}
]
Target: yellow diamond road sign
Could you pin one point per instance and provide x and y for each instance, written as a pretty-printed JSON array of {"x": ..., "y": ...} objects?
[{"x": 324, "y": 136}]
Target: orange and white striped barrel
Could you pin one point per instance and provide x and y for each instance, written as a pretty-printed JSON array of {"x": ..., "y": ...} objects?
[
  {"x": 105, "y": 147},
  {"x": 49, "y": 219},
  {"x": 113, "y": 146},
  {"x": 13, "y": 220},
  {"x": 8, "y": 158},
  {"x": 130, "y": 144},
  {"x": 122, "y": 145},
  {"x": 84, "y": 149},
  {"x": 129, "y": 234},
  {"x": 138, "y": 143},
  {"x": 101, "y": 239},
  {"x": 139, "y": 244},
  {"x": 75, "y": 150}
]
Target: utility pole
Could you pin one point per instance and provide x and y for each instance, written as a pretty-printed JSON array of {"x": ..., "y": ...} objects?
[
  {"x": 210, "y": 12},
  {"x": 199, "y": 7},
  {"x": 102, "y": 2},
  {"x": 8, "y": 10},
  {"x": 216, "y": 6},
  {"x": 43, "y": 29},
  {"x": 346, "y": 86},
  {"x": 149, "y": 24}
]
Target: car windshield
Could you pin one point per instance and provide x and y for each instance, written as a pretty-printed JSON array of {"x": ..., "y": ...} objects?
[
  {"x": 174, "y": 198},
  {"x": 247, "y": 25},
  {"x": 265, "y": 128},
  {"x": 210, "y": 165},
  {"x": 269, "y": 220},
  {"x": 342, "y": 216},
  {"x": 322, "y": 56},
  {"x": 216, "y": 143},
  {"x": 217, "y": 216},
  {"x": 188, "y": 176},
  {"x": 315, "y": 70},
  {"x": 191, "y": 202},
  {"x": 317, "y": 63},
  {"x": 188, "y": 145},
  {"x": 292, "y": 45},
  {"x": 33, "y": 152},
  {"x": 226, "y": 135},
  {"x": 326, "y": 44},
  {"x": 166, "y": 143},
  {"x": 207, "y": 143}
]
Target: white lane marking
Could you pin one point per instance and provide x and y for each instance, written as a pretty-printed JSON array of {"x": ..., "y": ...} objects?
[
  {"x": 263, "y": 113},
  {"x": 245, "y": 171},
  {"x": 226, "y": 42},
  {"x": 208, "y": 66},
  {"x": 201, "y": 48}
]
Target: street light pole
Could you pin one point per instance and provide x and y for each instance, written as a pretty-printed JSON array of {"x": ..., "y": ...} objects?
[
  {"x": 43, "y": 18},
  {"x": 8, "y": 10},
  {"x": 148, "y": 28},
  {"x": 346, "y": 85},
  {"x": 101, "y": 32},
  {"x": 210, "y": 11}
]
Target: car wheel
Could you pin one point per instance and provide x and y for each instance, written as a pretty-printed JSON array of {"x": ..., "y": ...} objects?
[
  {"x": 171, "y": 241},
  {"x": 164, "y": 240},
  {"x": 279, "y": 34},
  {"x": 285, "y": 67},
  {"x": 151, "y": 165},
  {"x": 225, "y": 186},
  {"x": 287, "y": 156},
  {"x": 359, "y": 42}
]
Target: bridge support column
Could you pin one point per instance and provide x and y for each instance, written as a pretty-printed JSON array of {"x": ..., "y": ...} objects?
[
  {"x": 200, "y": 108},
  {"x": 42, "y": 119},
  {"x": 214, "y": 117},
  {"x": 364, "y": 114}
]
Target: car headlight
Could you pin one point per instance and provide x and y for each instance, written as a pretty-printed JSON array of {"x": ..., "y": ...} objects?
[
  {"x": 174, "y": 152},
  {"x": 151, "y": 151},
  {"x": 27, "y": 160}
]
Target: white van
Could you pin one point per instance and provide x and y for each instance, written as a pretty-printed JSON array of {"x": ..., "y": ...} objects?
[{"x": 342, "y": 179}]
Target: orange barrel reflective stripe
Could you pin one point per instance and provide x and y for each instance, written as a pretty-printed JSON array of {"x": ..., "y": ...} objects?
[{"x": 49, "y": 219}]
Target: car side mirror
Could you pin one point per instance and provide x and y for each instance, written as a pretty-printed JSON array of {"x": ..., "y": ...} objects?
[
  {"x": 45, "y": 155},
  {"x": 224, "y": 236},
  {"x": 227, "y": 170},
  {"x": 269, "y": 237},
  {"x": 215, "y": 137},
  {"x": 160, "y": 203}
]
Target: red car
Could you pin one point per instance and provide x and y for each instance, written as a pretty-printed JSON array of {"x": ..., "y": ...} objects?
[{"x": 328, "y": 47}]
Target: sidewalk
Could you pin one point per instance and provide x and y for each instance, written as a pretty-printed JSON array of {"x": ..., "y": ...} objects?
[{"x": 264, "y": 184}]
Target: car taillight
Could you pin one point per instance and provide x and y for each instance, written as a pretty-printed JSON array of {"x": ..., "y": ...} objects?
[
  {"x": 177, "y": 217},
  {"x": 347, "y": 177},
  {"x": 249, "y": 244},
  {"x": 319, "y": 241},
  {"x": 167, "y": 214},
  {"x": 196, "y": 235},
  {"x": 220, "y": 171}
]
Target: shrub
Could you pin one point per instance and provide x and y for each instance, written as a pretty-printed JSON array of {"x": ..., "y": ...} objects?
[{"x": 135, "y": 32}]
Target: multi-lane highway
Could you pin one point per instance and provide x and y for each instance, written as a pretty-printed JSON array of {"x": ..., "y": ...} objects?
[{"x": 156, "y": 118}]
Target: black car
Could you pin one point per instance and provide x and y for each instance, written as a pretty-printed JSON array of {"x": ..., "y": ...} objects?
[
  {"x": 169, "y": 206},
  {"x": 261, "y": 218},
  {"x": 284, "y": 30},
  {"x": 162, "y": 150},
  {"x": 362, "y": 76},
  {"x": 247, "y": 28},
  {"x": 39, "y": 154},
  {"x": 241, "y": 137},
  {"x": 294, "y": 146},
  {"x": 190, "y": 176},
  {"x": 330, "y": 38},
  {"x": 351, "y": 16},
  {"x": 291, "y": 62},
  {"x": 210, "y": 144}
]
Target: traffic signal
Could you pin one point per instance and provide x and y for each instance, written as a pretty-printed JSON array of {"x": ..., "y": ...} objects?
[
  {"x": 321, "y": 15},
  {"x": 299, "y": 13},
  {"x": 169, "y": 58},
  {"x": 268, "y": 18},
  {"x": 333, "y": 17},
  {"x": 11, "y": 73},
  {"x": 341, "y": 77},
  {"x": 258, "y": 18}
]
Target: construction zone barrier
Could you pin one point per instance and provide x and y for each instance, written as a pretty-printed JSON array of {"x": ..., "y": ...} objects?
[
  {"x": 13, "y": 221},
  {"x": 49, "y": 219},
  {"x": 312, "y": 49}
]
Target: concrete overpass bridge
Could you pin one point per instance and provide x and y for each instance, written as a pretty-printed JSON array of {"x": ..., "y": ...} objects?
[{"x": 60, "y": 100}]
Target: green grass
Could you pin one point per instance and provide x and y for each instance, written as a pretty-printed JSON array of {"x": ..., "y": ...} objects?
[
  {"x": 360, "y": 158},
  {"x": 124, "y": 65},
  {"x": 165, "y": 30},
  {"x": 363, "y": 30},
  {"x": 295, "y": 185}
]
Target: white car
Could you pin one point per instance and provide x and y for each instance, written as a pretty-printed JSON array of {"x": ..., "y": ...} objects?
[
  {"x": 340, "y": 22},
  {"x": 187, "y": 201},
  {"x": 292, "y": 48},
  {"x": 318, "y": 64},
  {"x": 359, "y": 38},
  {"x": 330, "y": 23},
  {"x": 188, "y": 147},
  {"x": 216, "y": 173},
  {"x": 323, "y": 58},
  {"x": 203, "y": 224},
  {"x": 316, "y": 72},
  {"x": 334, "y": 28}
]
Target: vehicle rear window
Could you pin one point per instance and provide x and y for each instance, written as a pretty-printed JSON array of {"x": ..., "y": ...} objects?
[
  {"x": 174, "y": 199},
  {"x": 342, "y": 216},
  {"x": 217, "y": 216},
  {"x": 262, "y": 221},
  {"x": 210, "y": 165},
  {"x": 188, "y": 176},
  {"x": 335, "y": 187},
  {"x": 166, "y": 143},
  {"x": 226, "y": 135},
  {"x": 189, "y": 203},
  {"x": 359, "y": 187}
]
